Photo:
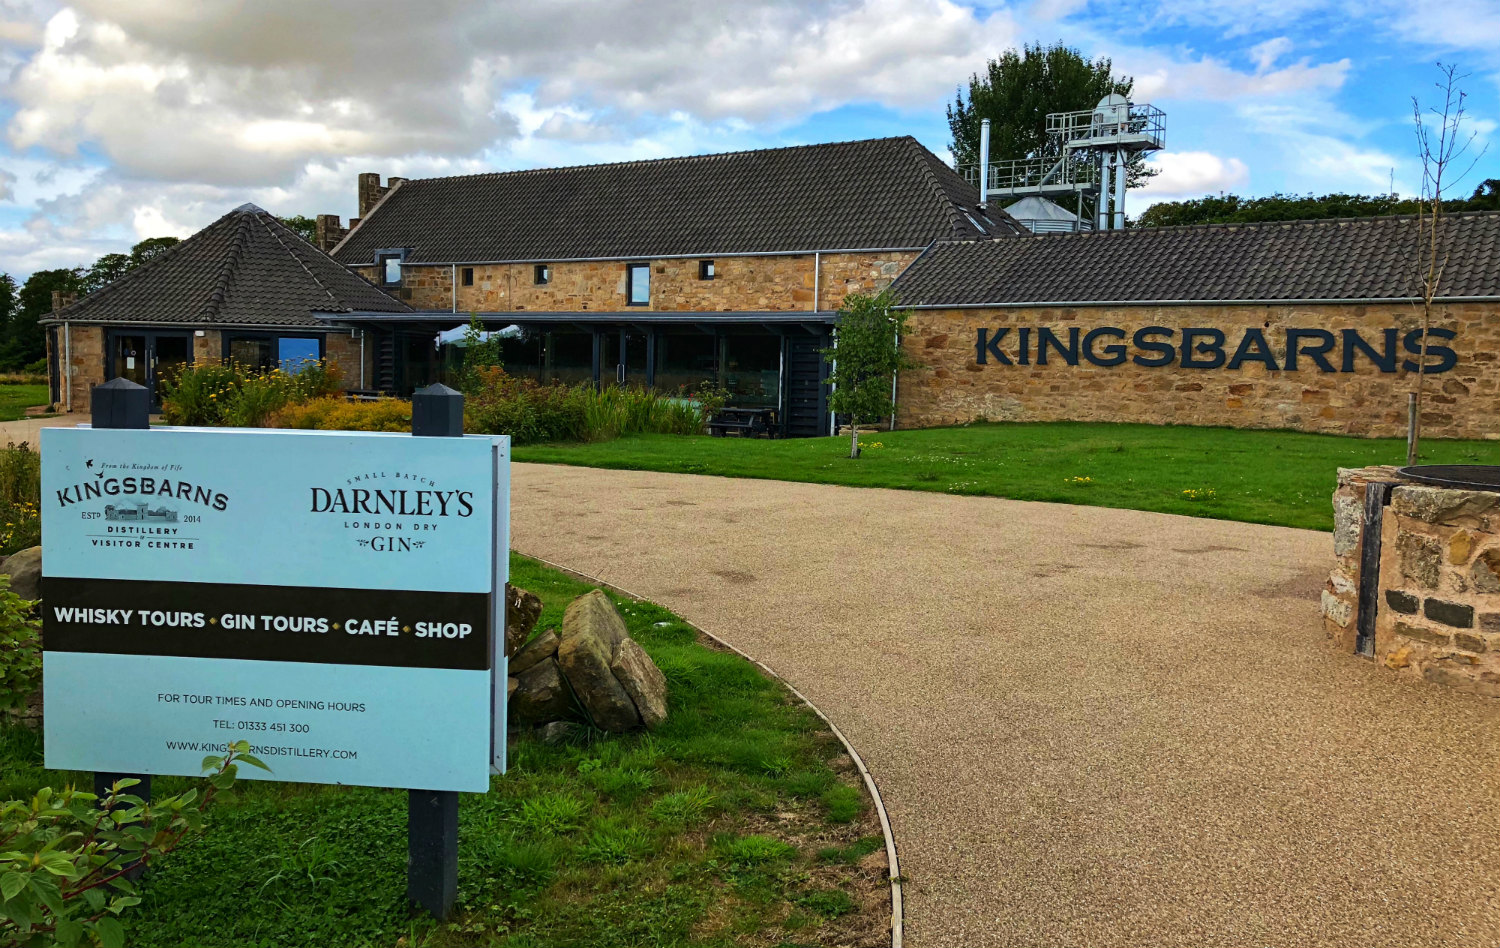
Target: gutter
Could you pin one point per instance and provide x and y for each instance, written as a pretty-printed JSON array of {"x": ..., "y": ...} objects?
[
  {"x": 1332, "y": 301},
  {"x": 621, "y": 259}
]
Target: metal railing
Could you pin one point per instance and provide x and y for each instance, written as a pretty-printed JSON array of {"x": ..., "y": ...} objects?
[{"x": 1137, "y": 126}]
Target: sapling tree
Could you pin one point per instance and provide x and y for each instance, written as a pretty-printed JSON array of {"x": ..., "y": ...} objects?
[
  {"x": 1441, "y": 143},
  {"x": 865, "y": 357}
]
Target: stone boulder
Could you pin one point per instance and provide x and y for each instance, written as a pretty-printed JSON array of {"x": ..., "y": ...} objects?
[
  {"x": 541, "y": 648},
  {"x": 642, "y": 680},
  {"x": 584, "y": 655},
  {"x": 25, "y": 571},
  {"x": 522, "y": 610},
  {"x": 541, "y": 695},
  {"x": 594, "y": 614}
]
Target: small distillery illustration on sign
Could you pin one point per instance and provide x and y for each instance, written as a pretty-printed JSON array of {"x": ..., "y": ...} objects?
[{"x": 329, "y": 598}]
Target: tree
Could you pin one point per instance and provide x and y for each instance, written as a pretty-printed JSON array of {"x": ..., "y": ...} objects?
[
  {"x": 864, "y": 359},
  {"x": 1017, "y": 91},
  {"x": 1441, "y": 141},
  {"x": 105, "y": 271},
  {"x": 1233, "y": 209},
  {"x": 24, "y": 341},
  {"x": 151, "y": 247},
  {"x": 303, "y": 226}
]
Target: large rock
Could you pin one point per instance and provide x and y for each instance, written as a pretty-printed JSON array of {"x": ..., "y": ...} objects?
[
  {"x": 25, "y": 571},
  {"x": 642, "y": 680},
  {"x": 592, "y": 630},
  {"x": 1441, "y": 505},
  {"x": 541, "y": 695},
  {"x": 522, "y": 610},
  {"x": 541, "y": 647}
]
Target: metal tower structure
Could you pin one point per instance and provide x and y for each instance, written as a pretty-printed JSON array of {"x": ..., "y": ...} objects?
[{"x": 1085, "y": 163}]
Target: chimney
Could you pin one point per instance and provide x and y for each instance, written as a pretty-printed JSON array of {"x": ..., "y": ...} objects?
[
  {"x": 330, "y": 232},
  {"x": 370, "y": 192},
  {"x": 62, "y": 299}
]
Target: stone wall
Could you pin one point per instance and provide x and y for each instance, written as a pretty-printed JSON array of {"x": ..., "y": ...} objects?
[
  {"x": 1438, "y": 601},
  {"x": 953, "y": 387},
  {"x": 85, "y": 368},
  {"x": 780, "y": 283}
]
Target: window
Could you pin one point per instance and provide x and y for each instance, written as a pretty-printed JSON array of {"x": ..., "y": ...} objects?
[
  {"x": 638, "y": 284},
  {"x": 468, "y": 276},
  {"x": 541, "y": 274},
  {"x": 705, "y": 269},
  {"x": 264, "y": 352},
  {"x": 390, "y": 269}
]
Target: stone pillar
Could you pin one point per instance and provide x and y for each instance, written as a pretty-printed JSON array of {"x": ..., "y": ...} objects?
[
  {"x": 330, "y": 232},
  {"x": 370, "y": 192}
]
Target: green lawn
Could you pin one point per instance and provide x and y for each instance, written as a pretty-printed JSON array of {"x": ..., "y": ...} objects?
[
  {"x": 15, "y": 399},
  {"x": 738, "y": 822},
  {"x": 1276, "y": 477}
]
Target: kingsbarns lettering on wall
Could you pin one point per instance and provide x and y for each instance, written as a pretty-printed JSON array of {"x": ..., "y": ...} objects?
[
  {"x": 1211, "y": 348},
  {"x": 1310, "y": 325}
]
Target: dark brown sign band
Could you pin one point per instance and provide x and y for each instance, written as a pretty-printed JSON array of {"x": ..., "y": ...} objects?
[{"x": 267, "y": 623}]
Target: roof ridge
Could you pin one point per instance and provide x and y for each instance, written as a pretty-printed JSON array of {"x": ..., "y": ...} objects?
[
  {"x": 707, "y": 156},
  {"x": 225, "y": 276},
  {"x": 919, "y": 153}
]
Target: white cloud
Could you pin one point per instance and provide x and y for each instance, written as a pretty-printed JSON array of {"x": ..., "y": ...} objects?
[
  {"x": 7, "y": 185},
  {"x": 1187, "y": 174}
]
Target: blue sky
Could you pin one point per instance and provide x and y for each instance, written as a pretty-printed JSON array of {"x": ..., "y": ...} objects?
[{"x": 125, "y": 119}]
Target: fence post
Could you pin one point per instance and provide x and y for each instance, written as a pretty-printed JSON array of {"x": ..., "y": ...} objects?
[
  {"x": 437, "y": 411},
  {"x": 121, "y": 403}
]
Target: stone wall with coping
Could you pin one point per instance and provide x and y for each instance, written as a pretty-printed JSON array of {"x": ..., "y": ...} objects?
[
  {"x": 1438, "y": 604},
  {"x": 740, "y": 284},
  {"x": 952, "y": 387}
]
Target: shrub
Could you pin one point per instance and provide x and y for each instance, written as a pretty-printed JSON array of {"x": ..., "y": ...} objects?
[
  {"x": 63, "y": 872},
  {"x": 530, "y": 412},
  {"x": 232, "y": 394},
  {"x": 20, "y": 648},
  {"x": 336, "y": 414},
  {"x": 20, "y": 498}
]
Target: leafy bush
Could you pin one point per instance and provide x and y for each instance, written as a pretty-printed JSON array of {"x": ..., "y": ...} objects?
[
  {"x": 20, "y": 648},
  {"x": 530, "y": 412},
  {"x": 336, "y": 414},
  {"x": 64, "y": 856},
  {"x": 20, "y": 498},
  {"x": 235, "y": 395}
]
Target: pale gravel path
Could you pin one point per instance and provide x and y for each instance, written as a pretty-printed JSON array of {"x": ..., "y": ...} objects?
[{"x": 1090, "y": 726}]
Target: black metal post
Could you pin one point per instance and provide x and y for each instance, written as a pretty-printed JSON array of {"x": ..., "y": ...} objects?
[
  {"x": 1377, "y": 496},
  {"x": 121, "y": 403},
  {"x": 437, "y": 411}
]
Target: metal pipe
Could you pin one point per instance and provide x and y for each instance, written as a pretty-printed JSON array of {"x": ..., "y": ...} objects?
[
  {"x": 816, "y": 267},
  {"x": 1119, "y": 190},
  {"x": 984, "y": 163},
  {"x": 453, "y": 283},
  {"x": 361, "y": 359},
  {"x": 68, "y": 365},
  {"x": 895, "y": 375},
  {"x": 1325, "y": 301},
  {"x": 1101, "y": 211},
  {"x": 655, "y": 256}
]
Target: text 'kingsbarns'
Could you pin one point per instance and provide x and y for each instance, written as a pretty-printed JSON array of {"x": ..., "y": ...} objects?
[
  {"x": 1209, "y": 348},
  {"x": 399, "y": 503}
]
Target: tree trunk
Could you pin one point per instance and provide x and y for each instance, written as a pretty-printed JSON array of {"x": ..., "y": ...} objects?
[{"x": 853, "y": 438}]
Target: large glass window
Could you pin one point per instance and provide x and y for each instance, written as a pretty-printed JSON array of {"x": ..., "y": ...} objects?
[
  {"x": 571, "y": 357},
  {"x": 752, "y": 370},
  {"x": 638, "y": 284},
  {"x": 686, "y": 362},
  {"x": 264, "y": 352},
  {"x": 522, "y": 351}
]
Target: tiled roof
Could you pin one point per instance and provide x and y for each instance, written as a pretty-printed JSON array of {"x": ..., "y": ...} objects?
[
  {"x": 879, "y": 194},
  {"x": 1357, "y": 259},
  {"x": 245, "y": 269}
]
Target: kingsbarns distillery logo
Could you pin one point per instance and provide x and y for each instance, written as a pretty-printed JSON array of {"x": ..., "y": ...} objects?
[
  {"x": 391, "y": 511},
  {"x": 139, "y": 506}
]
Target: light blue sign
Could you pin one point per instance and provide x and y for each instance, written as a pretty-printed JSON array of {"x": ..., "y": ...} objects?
[{"x": 327, "y": 596}]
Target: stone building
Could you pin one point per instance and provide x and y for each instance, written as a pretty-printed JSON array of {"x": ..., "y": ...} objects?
[
  {"x": 1310, "y": 325},
  {"x": 244, "y": 288},
  {"x": 674, "y": 273}
]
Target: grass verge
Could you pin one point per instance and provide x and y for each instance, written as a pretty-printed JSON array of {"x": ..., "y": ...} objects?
[
  {"x": 739, "y": 822},
  {"x": 15, "y": 399},
  {"x": 1276, "y": 477}
]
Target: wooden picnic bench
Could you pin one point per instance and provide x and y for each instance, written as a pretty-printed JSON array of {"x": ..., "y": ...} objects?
[{"x": 748, "y": 422}]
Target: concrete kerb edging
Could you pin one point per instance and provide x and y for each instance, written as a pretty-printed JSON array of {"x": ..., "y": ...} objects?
[{"x": 897, "y": 938}]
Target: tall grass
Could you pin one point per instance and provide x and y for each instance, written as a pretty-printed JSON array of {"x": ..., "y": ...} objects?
[
  {"x": 20, "y": 498},
  {"x": 532, "y": 413},
  {"x": 235, "y": 395}
]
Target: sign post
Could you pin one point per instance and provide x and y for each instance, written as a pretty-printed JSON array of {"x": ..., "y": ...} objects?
[
  {"x": 432, "y": 815},
  {"x": 333, "y": 598}
]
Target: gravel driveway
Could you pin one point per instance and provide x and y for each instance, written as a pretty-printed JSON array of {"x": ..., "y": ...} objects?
[{"x": 1090, "y": 726}]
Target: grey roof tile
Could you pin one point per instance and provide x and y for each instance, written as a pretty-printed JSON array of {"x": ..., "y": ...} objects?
[
  {"x": 245, "y": 269},
  {"x": 882, "y": 193},
  {"x": 1356, "y": 258}
]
